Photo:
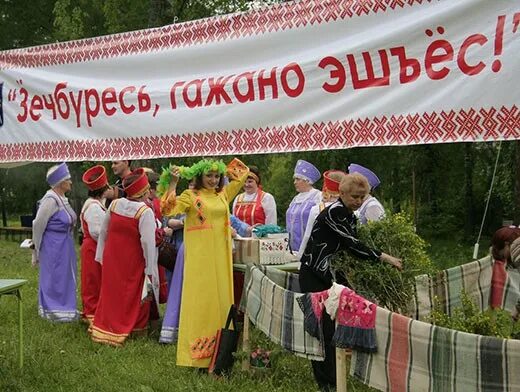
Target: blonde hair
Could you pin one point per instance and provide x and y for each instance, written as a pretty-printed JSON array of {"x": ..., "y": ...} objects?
[{"x": 354, "y": 180}]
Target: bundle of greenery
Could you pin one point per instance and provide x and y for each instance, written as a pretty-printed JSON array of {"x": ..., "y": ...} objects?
[
  {"x": 469, "y": 318},
  {"x": 379, "y": 282}
]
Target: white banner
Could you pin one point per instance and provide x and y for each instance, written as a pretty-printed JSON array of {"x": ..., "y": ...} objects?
[{"x": 302, "y": 75}]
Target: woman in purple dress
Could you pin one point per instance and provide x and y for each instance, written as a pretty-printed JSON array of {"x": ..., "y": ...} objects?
[
  {"x": 297, "y": 215},
  {"x": 170, "y": 325},
  {"x": 54, "y": 249}
]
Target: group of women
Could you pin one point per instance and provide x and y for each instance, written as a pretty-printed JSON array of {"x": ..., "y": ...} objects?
[{"x": 120, "y": 278}]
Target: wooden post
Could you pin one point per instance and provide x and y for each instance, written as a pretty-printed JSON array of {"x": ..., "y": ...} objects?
[
  {"x": 341, "y": 375},
  {"x": 246, "y": 346}
]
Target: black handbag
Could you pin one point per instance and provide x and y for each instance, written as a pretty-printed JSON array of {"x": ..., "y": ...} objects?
[
  {"x": 226, "y": 345},
  {"x": 167, "y": 255}
]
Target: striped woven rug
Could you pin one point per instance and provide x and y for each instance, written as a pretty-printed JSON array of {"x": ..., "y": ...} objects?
[
  {"x": 474, "y": 278},
  {"x": 273, "y": 309},
  {"x": 417, "y": 356}
]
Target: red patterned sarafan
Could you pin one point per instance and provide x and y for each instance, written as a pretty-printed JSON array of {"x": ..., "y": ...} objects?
[
  {"x": 279, "y": 17},
  {"x": 471, "y": 124}
]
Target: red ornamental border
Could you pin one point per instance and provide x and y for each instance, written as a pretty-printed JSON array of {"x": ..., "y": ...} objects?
[
  {"x": 295, "y": 14},
  {"x": 435, "y": 127}
]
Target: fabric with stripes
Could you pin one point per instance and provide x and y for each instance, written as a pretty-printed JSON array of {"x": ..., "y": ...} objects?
[
  {"x": 474, "y": 278},
  {"x": 417, "y": 356},
  {"x": 273, "y": 308}
]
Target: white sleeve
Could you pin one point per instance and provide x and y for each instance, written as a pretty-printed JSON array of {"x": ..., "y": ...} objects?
[
  {"x": 94, "y": 216},
  {"x": 47, "y": 208},
  {"x": 147, "y": 228},
  {"x": 374, "y": 212},
  {"x": 269, "y": 206},
  {"x": 313, "y": 214},
  {"x": 102, "y": 237},
  {"x": 318, "y": 198}
]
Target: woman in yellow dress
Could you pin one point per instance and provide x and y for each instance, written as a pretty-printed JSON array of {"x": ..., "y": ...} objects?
[{"x": 207, "y": 291}]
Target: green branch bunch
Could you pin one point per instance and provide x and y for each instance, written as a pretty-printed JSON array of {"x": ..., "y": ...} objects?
[
  {"x": 469, "y": 318},
  {"x": 378, "y": 281}
]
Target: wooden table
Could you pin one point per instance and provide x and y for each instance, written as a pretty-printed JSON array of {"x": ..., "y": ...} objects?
[
  {"x": 289, "y": 267},
  {"x": 13, "y": 287}
]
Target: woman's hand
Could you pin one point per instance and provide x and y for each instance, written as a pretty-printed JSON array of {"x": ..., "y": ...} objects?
[
  {"x": 393, "y": 261},
  {"x": 176, "y": 173},
  {"x": 34, "y": 260}
]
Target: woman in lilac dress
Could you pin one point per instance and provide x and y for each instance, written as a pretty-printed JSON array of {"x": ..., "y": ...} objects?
[
  {"x": 297, "y": 215},
  {"x": 170, "y": 325},
  {"x": 54, "y": 249}
]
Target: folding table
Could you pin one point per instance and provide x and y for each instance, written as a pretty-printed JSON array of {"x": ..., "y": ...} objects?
[{"x": 13, "y": 287}]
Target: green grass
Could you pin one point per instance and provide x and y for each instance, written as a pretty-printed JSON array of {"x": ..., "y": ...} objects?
[
  {"x": 446, "y": 253},
  {"x": 61, "y": 357}
]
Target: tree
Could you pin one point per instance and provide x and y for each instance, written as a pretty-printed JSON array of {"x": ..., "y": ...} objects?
[
  {"x": 25, "y": 23},
  {"x": 469, "y": 225},
  {"x": 78, "y": 19},
  {"x": 447, "y": 185},
  {"x": 159, "y": 11}
]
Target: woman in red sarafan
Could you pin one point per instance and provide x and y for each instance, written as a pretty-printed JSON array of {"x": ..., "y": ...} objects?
[
  {"x": 92, "y": 215},
  {"x": 255, "y": 206},
  {"x": 126, "y": 249}
]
